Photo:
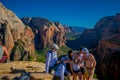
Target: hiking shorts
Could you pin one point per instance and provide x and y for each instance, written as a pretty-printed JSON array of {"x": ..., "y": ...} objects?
[
  {"x": 76, "y": 71},
  {"x": 82, "y": 70},
  {"x": 89, "y": 72}
]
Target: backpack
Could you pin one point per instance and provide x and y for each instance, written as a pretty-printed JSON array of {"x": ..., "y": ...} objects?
[
  {"x": 48, "y": 52},
  {"x": 1, "y": 52},
  {"x": 25, "y": 76},
  {"x": 61, "y": 57}
]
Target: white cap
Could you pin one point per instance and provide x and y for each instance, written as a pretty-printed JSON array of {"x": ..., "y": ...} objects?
[
  {"x": 55, "y": 46},
  {"x": 85, "y": 50}
]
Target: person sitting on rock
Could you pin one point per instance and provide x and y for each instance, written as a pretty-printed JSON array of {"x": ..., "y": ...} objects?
[
  {"x": 51, "y": 58},
  {"x": 90, "y": 63},
  {"x": 4, "y": 56}
]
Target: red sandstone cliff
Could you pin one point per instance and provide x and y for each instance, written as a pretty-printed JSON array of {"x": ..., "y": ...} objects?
[{"x": 16, "y": 36}]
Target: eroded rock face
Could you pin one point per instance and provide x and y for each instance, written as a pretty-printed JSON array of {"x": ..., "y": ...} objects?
[
  {"x": 90, "y": 38},
  {"x": 14, "y": 32},
  {"x": 109, "y": 51},
  {"x": 46, "y": 32}
]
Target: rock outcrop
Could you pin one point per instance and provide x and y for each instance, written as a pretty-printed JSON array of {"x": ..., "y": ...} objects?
[
  {"x": 109, "y": 51},
  {"x": 18, "y": 38},
  {"x": 36, "y": 70},
  {"x": 12, "y": 70},
  {"x": 46, "y": 32}
]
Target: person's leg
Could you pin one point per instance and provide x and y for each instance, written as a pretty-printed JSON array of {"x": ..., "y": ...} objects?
[
  {"x": 74, "y": 76},
  {"x": 83, "y": 73},
  {"x": 86, "y": 74},
  {"x": 79, "y": 75},
  {"x": 90, "y": 74},
  {"x": 83, "y": 77}
]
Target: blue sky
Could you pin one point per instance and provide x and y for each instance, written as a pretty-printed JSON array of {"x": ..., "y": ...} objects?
[{"x": 84, "y": 13}]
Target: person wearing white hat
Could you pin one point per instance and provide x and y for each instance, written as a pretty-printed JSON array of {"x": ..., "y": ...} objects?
[
  {"x": 90, "y": 64},
  {"x": 51, "y": 58}
]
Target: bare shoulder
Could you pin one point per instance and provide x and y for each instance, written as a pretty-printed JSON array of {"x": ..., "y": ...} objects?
[{"x": 91, "y": 55}]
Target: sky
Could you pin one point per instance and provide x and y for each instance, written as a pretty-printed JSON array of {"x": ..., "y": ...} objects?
[{"x": 83, "y": 13}]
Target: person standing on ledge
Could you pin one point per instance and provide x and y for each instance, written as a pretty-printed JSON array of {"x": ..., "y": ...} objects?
[
  {"x": 90, "y": 64},
  {"x": 4, "y": 56},
  {"x": 51, "y": 58}
]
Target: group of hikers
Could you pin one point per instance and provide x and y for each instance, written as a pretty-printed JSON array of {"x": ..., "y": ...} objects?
[{"x": 79, "y": 64}]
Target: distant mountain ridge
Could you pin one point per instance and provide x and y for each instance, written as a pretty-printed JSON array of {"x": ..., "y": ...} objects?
[
  {"x": 77, "y": 29},
  {"x": 73, "y": 32},
  {"x": 74, "y": 29},
  {"x": 90, "y": 37}
]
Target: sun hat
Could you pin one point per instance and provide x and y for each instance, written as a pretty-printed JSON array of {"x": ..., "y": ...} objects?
[{"x": 55, "y": 46}]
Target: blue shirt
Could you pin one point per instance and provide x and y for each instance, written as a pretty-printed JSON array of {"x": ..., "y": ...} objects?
[{"x": 51, "y": 60}]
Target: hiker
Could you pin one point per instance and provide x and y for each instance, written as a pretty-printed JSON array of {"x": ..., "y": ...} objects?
[
  {"x": 60, "y": 72},
  {"x": 82, "y": 63},
  {"x": 90, "y": 63},
  {"x": 62, "y": 69},
  {"x": 4, "y": 56},
  {"x": 75, "y": 67},
  {"x": 51, "y": 58},
  {"x": 69, "y": 58}
]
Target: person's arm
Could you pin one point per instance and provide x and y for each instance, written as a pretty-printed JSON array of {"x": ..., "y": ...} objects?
[
  {"x": 48, "y": 62},
  {"x": 6, "y": 52},
  {"x": 71, "y": 65},
  {"x": 62, "y": 70},
  {"x": 93, "y": 60}
]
